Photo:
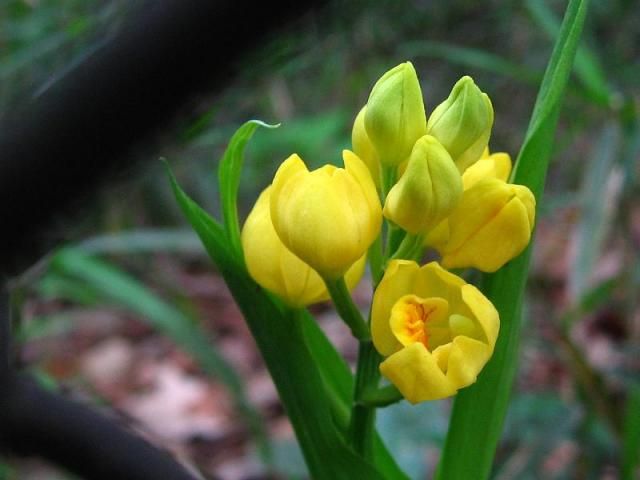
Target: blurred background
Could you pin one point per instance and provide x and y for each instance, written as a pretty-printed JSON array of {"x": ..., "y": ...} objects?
[{"x": 111, "y": 318}]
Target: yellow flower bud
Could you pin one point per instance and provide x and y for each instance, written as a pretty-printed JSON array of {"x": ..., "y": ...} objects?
[
  {"x": 278, "y": 270},
  {"x": 491, "y": 225},
  {"x": 496, "y": 165},
  {"x": 363, "y": 147},
  {"x": 436, "y": 331},
  {"x": 395, "y": 116},
  {"x": 328, "y": 217},
  {"x": 462, "y": 123},
  {"x": 428, "y": 190}
]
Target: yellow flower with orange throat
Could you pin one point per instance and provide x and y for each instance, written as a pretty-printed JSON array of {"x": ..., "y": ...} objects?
[{"x": 436, "y": 331}]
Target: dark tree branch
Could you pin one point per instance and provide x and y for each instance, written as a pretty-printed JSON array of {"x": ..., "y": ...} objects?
[
  {"x": 5, "y": 336},
  {"x": 62, "y": 146},
  {"x": 68, "y": 139},
  {"x": 34, "y": 421}
]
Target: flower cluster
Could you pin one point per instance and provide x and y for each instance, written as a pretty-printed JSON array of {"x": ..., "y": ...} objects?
[{"x": 435, "y": 182}]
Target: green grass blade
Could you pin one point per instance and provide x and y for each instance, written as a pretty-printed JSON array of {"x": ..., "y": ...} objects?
[
  {"x": 631, "y": 447},
  {"x": 595, "y": 210},
  {"x": 144, "y": 240},
  {"x": 229, "y": 179},
  {"x": 587, "y": 66},
  {"x": 117, "y": 286},
  {"x": 471, "y": 58},
  {"x": 280, "y": 336},
  {"x": 479, "y": 410}
]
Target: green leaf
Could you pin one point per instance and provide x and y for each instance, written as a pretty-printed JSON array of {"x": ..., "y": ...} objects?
[
  {"x": 595, "y": 210},
  {"x": 631, "y": 446},
  {"x": 117, "y": 286},
  {"x": 479, "y": 410},
  {"x": 587, "y": 66},
  {"x": 229, "y": 180},
  {"x": 280, "y": 334}
]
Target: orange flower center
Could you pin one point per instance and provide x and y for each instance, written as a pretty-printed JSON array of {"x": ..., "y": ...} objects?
[{"x": 411, "y": 317}]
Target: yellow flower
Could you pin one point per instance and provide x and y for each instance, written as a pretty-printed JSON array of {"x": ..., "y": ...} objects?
[
  {"x": 496, "y": 165},
  {"x": 462, "y": 123},
  {"x": 395, "y": 116},
  {"x": 328, "y": 217},
  {"x": 428, "y": 190},
  {"x": 278, "y": 270},
  {"x": 436, "y": 331},
  {"x": 363, "y": 147},
  {"x": 491, "y": 225}
]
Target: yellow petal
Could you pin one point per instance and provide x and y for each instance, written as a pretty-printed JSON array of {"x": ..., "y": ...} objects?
[
  {"x": 438, "y": 235},
  {"x": 497, "y": 166},
  {"x": 272, "y": 265},
  {"x": 484, "y": 311},
  {"x": 467, "y": 357},
  {"x": 363, "y": 147},
  {"x": 415, "y": 372},
  {"x": 359, "y": 172},
  {"x": 278, "y": 270},
  {"x": 326, "y": 217},
  {"x": 491, "y": 225}
]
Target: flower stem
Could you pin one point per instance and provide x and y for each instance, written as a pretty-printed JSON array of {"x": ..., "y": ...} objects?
[
  {"x": 387, "y": 179},
  {"x": 381, "y": 397},
  {"x": 361, "y": 428},
  {"x": 409, "y": 247},
  {"x": 347, "y": 309},
  {"x": 376, "y": 260}
]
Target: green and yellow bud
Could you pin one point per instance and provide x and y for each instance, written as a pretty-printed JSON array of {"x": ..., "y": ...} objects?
[
  {"x": 363, "y": 147},
  {"x": 395, "y": 116},
  {"x": 491, "y": 225},
  {"x": 462, "y": 123},
  {"x": 428, "y": 190},
  {"x": 276, "y": 269},
  {"x": 328, "y": 217}
]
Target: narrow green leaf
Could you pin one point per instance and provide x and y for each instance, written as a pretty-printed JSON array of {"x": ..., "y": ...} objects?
[
  {"x": 595, "y": 210},
  {"x": 587, "y": 66},
  {"x": 631, "y": 447},
  {"x": 280, "y": 335},
  {"x": 479, "y": 410},
  {"x": 229, "y": 180}
]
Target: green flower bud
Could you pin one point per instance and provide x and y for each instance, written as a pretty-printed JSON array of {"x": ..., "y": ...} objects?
[
  {"x": 363, "y": 147},
  {"x": 462, "y": 123},
  {"x": 428, "y": 190},
  {"x": 395, "y": 116}
]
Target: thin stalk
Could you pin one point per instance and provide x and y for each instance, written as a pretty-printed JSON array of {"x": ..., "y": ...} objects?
[
  {"x": 347, "y": 309},
  {"x": 362, "y": 426},
  {"x": 381, "y": 397},
  {"x": 408, "y": 247},
  {"x": 387, "y": 180},
  {"x": 376, "y": 260},
  {"x": 395, "y": 237}
]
